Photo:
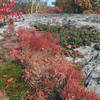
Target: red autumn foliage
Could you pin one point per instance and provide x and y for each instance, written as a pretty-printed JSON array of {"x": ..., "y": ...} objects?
[
  {"x": 46, "y": 68},
  {"x": 4, "y": 76},
  {"x": 77, "y": 52},
  {"x": 37, "y": 89},
  {"x": 7, "y": 86},
  {"x": 69, "y": 46},
  {"x": 14, "y": 53},
  {"x": 7, "y": 11},
  {"x": 9, "y": 80}
]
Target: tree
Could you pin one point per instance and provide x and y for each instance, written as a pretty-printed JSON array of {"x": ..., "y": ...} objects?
[
  {"x": 33, "y": 5},
  {"x": 68, "y": 6},
  {"x": 75, "y": 6},
  {"x": 36, "y": 6}
]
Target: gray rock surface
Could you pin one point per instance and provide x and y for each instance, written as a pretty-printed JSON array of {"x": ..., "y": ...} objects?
[
  {"x": 77, "y": 20},
  {"x": 92, "y": 70}
]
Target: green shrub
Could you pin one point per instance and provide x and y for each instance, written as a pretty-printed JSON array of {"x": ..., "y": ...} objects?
[
  {"x": 11, "y": 77},
  {"x": 17, "y": 88},
  {"x": 72, "y": 36}
]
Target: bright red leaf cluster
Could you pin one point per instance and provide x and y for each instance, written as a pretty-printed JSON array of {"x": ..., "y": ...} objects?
[{"x": 6, "y": 10}]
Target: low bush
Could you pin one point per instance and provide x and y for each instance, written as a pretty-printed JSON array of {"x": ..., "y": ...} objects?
[{"x": 72, "y": 37}]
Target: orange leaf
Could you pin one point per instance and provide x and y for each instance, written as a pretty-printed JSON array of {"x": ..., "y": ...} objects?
[
  {"x": 57, "y": 55},
  {"x": 14, "y": 53},
  {"x": 4, "y": 76},
  {"x": 67, "y": 51},
  {"x": 8, "y": 85},
  {"x": 77, "y": 52},
  {"x": 43, "y": 93},
  {"x": 37, "y": 89},
  {"x": 69, "y": 46},
  {"x": 11, "y": 79}
]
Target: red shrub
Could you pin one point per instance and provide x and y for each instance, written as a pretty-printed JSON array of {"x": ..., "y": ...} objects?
[
  {"x": 46, "y": 70},
  {"x": 6, "y": 9}
]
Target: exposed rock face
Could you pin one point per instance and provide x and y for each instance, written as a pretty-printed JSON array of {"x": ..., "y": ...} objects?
[
  {"x": 77, "y": 20},
  {"x": 92, "y": 70}
]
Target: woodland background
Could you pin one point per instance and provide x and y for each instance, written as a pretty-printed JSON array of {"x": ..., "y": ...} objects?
[{"x": 60, "y": 6}]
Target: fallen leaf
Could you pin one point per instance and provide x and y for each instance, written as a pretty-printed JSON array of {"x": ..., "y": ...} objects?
[
  {"x": 8, "y": 85},
  {"x": 4, "y": 76},
  {"x": 69, "y": 46},
  {"x": 9, "y": 80},
  {"x": 57, "y": 55}
]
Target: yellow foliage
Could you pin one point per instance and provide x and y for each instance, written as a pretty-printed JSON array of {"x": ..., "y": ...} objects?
[
  {"x": 90, "y": 11},
  {"x": 40, "y": 9},
  {"x": 86, "y": 4}
]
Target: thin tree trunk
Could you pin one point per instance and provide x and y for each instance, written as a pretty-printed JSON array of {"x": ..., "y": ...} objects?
[
  {"x": 32, "y": 7},
  {"x": 37, "y": 5}
]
